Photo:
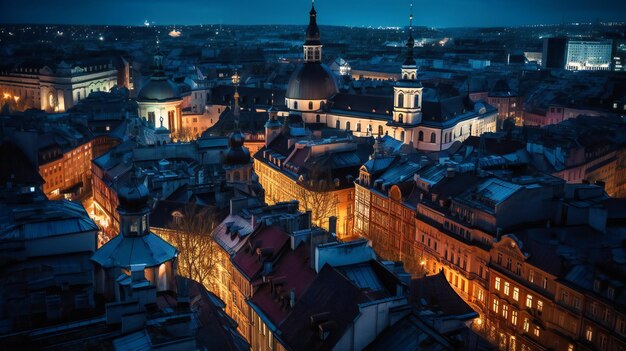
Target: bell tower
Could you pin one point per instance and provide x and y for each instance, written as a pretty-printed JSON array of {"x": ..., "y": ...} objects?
[
  {"x": 407, "y": 93},
  {"x": 312, "y": 46}
]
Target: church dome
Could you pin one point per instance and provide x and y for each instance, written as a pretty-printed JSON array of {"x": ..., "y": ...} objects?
[
  {"x": 236, "y": 154},
  {"x": 159, "y": 89},
  {"x": 133, "y": 197},
  {"x": 311, "y": 81}
]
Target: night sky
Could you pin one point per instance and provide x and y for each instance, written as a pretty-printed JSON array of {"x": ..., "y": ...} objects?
[{"x": 439, "y": 13}]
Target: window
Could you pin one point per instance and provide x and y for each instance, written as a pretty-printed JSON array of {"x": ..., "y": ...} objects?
[
  {"x": 603, "y": 342},
  {"x": 596, "y": 286},
  {"x": 589, "y": 334},
  {"x": 505, "y": 311},
  {"x": 544, "y": 284},
  {"x": 536, "y": 331},
  {"x": 531, "y": 276},
  {"x": 611, "y": 292},
  {"x": 506, "y": 288},
  {"x": 481, "y": 295},
  {"x": 295, "y": 105},
  {"x": 514, "y": 317},
  {"x": 400, "y": 118},
  {"x": 420, "y": 136},
  {"x": 518, "y": 268},
  {"x": 400, "y": 100},
  {"x": 529, "y": 301},
  {"x": 539, "y": 305},
  {"x": 570, "y": 347},
  {"x": 509, "y": 263},
  {"x": 495, "y": 305},
  {"x": 317, "y": 119},
  {"x": 526, "y": 325},
  {"x": 310, "y": 105},
  {"x": 338, "y": 124},
  {"x": 433, "y": 138},
  {"x": 497, "y": 283},
  {"x": 402, "y": 136},
  {"x": 380, "y": 130},
  {"x": 270, "y": 339},
  {"x": 358, "y": 127},
  {"x": 499, "y": 258}
]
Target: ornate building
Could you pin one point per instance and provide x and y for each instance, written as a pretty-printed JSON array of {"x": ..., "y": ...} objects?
[
  {"x": 430, "y": 119},
  {"x": 159, "y": 100},
  {"x": 55, "y": 87}
]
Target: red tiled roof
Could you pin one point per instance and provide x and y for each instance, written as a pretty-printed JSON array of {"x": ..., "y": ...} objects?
[
  {"x": 246, "y": 259},
  {"x": 293, "y": 271}
]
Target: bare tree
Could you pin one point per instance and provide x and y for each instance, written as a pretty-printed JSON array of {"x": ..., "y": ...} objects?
[
  {"x": 198, "y": 253},
  {"x": 320, "y": 199},
  {"x": 183, "y": 134}
]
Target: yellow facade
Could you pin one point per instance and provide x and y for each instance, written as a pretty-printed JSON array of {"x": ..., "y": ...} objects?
[{"x": 280, "y": 187}]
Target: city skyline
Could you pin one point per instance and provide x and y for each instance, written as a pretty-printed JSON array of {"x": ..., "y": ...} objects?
[{"x": 467, "y": 13}]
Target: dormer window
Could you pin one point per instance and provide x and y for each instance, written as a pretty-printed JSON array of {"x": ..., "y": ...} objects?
[
  {"x": 611, "y": 292},
  {"x": 596, "y": 285}
]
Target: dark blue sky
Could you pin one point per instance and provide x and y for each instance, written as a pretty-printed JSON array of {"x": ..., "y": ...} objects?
[{"x": 439, "y": 13}]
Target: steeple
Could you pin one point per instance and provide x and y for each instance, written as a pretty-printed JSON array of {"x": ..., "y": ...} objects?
[
  {"x": 236, "y": 79},
  {"x": 312, "y": 45},
  {"x": 410, "y": 43}
]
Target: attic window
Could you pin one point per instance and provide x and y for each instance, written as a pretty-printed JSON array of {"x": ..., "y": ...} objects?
[
  {"x": 611, "y": 292},
  {"x": 596, "y": 285}
]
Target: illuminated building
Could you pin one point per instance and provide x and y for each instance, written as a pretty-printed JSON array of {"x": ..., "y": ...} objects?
[
  {"x": 508, "y": 103},
  {"x": 159, "y": 100},
  {"x": 588, "y": 55},
  {"x": 56, "y": 87},
  {"x": 429, "y": 119},
  {"x": 319, "y": 172}
]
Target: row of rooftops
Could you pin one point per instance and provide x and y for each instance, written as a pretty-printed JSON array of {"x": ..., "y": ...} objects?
[{"x": 309, "y": 288}]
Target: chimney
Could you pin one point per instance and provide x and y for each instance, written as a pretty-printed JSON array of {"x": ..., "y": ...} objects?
[
  {"x": 292, "y": 297},
  {"x": 332, "y": 224}
]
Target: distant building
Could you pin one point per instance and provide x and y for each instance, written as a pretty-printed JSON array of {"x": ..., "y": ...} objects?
[
  {"x": 577, "y": 54},
  {"x": 56, "y": 87},
  {"x": 554, "y": 52},
  {"x": 619, "y": 55}
]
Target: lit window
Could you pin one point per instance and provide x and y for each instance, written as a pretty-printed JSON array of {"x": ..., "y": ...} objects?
[
  {"x": 514, "y": 317},
  {"x": 539, "y": 305},
  {"x": 497, "y": 283},
  {"x": 495, "y": 305},
  {"x": 506, "y": 288},
  {"x": 505, "y": 311},
  {"x": 526, "y": 325},
  {"x": 516, "y": 294},
  {"x": 589, "y": 334},
  {"x": 529, "y": 301},
  {"x": 536, "y": 331}
]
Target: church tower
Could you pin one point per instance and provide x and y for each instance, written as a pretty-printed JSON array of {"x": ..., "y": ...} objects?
[
  {"x": 407, "y": 93},
  {"x": 312, "y": 46}
]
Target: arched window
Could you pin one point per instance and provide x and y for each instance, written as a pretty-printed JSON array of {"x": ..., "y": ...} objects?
[
  {"x": 420, "y": 136},
  {"x": 401, "y": 100},
  {"x": 412, "y": 75},
  {"x": 338, "y": 124},
  {"x": 400, "y": 118},
  {"x": 416, "y": 102},
  {"x": 358, "y": 127},
  {"x": 402, "y": 136},
  {"x": 295, "y": 105},
  {"x": 433, "y": 138},
  {"x": 404, "y": 76},
  {"x": 348, "y": 125},
  {"x": 317, "y": 119},
  {"x": 380, "y": 130},
  {"x": 310, "y": 105}
]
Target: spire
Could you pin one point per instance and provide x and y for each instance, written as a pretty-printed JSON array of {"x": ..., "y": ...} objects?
[
  {"x": 312, "y": 31},
  {"x": 236, "y": 79},
  {"x": 410, "y": 43}
]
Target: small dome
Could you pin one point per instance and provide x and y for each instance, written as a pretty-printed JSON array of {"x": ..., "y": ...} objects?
[
  {"x": 311, "y": 81},
  {"x": 236, "y": 154},
  {"x": 133, "y": 197},
  {"x": 159, "y": 89},
  {"x": 236, "y": 139}
]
